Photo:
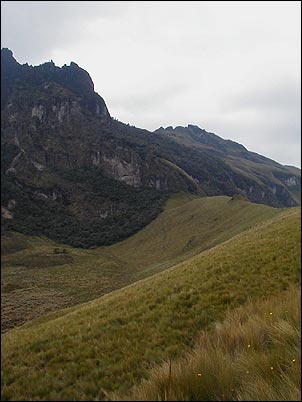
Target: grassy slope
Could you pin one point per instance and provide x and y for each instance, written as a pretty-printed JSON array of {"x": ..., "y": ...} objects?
[
  {"x": 106, "y": 345},
  {"x": 34, "y": 280},
  {"x": 254, "y": 355},
  {"x": 196, "y": 226}
]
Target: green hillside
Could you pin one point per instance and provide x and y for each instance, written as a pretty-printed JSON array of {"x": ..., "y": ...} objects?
[
  {"x": 254, "y": 355},
  {"x": 38, "y": 276},
  {"x": 193, "y": 227},
  {"x": 86, "y": 352}
]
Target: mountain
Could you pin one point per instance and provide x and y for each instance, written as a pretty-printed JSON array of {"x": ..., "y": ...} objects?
[
  {"x": 73, "y": 173},
  {"x": 257, "y": 168}
]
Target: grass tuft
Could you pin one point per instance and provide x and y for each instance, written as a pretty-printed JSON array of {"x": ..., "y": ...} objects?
[{"x": 249, "y": 357}]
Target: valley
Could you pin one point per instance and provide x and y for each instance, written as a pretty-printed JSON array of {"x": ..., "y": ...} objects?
[
  {"x": 39, "y": 277},
  {"x": 107, "y": 345}
]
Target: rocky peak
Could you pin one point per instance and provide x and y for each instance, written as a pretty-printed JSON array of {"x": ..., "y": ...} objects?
[
  {"x": 72, "y": 78},
  {"x": 75, "y": 79},
  {"x": 195, "y": 129},
  {"x": 7, "y": 54},
  {"x": 189, "y": 129},
  {"x": 9, "y": 64}
]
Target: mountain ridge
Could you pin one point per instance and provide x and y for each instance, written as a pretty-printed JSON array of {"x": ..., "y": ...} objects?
[{"x": 72, "y": 172}]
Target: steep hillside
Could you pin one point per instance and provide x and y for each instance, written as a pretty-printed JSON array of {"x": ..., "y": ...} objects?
[
  {"x": 85, "y": 352},
  {"x": 39, "y": 275},
  {"x": 71, "y": 172}
]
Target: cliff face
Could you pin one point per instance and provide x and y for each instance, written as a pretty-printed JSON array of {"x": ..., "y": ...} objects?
[
  {"x": 65, "y": 172},
  {"x": 55, "y": 120},
  {"x": 73, "y": 173}
]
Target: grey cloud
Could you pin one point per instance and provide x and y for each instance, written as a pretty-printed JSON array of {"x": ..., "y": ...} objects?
[
  {"x": 34, "y": 28},
  {"x": 230, "y": 67},
  {"x": 267, "y": 119},
  {"x": 279, "y": 96},
  {"x": 153, "y": 99}
]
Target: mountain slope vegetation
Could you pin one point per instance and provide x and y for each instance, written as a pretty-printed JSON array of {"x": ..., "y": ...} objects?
[
  {"x": 107, "y": 345},
  {"x": 39, "y": 275},
  {"x": 252, "y": 166}
]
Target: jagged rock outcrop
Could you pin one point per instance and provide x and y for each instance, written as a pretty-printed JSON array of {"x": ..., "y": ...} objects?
[{"x": 79, "y": 176}]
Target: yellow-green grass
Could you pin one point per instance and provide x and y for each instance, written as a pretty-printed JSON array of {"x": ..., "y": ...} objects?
[
  {"x": 179, "y": 199},
  {"x": 87, "y": 352},
  {"x": 254, "y": 355},
  {"x": 192, "y": 227},
  {"x": 35, "y": 281}
]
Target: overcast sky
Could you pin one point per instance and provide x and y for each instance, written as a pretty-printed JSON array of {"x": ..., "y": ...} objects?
[{"x": 232, "y": 68}]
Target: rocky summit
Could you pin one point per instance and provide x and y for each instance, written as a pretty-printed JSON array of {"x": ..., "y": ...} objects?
[{"x": 73, "y": 173}]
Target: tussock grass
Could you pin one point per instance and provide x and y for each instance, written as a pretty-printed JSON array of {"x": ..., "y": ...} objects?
[
  {"x": 35, "y": 280},
  {"x": 108, "y": 345},
  {"x": 254, "y": 355}
]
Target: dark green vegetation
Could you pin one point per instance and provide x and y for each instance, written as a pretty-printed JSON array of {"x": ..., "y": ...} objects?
[
  {"x": 71, "y": 172},
  {"x": 39, "y": 275},
  {"x": 106, "y": 345},
  {"x": 40, "y": 215},
  {"x": 254, "y": 355}
]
